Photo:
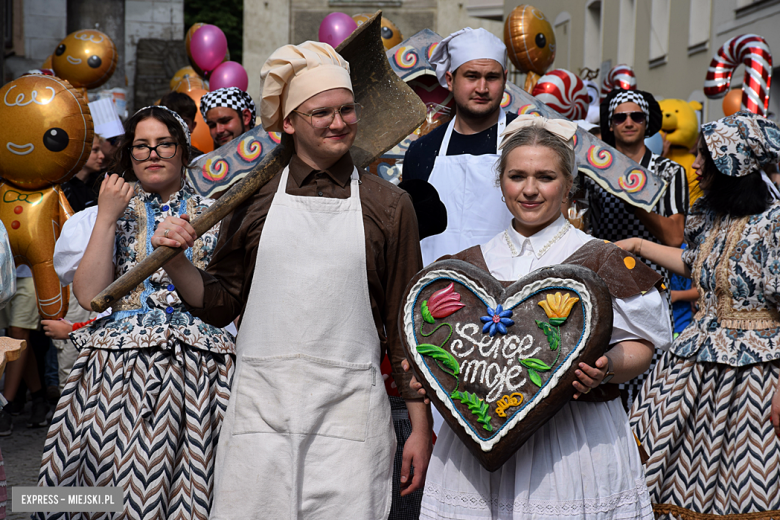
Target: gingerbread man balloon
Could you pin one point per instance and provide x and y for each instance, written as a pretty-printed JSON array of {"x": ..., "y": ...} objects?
[
  {"x": 86, "y": 58},
  {"x": 45, "y": 138}
]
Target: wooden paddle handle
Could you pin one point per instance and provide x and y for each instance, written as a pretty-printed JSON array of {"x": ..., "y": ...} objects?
[{"x": 238, "y": 193}]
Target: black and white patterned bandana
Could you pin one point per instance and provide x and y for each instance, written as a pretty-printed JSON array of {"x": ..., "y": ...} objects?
[
  {"x": 230, "y": 97},
  {"x": 176, "y": 116},
  {"x": 629, "y": 96}
]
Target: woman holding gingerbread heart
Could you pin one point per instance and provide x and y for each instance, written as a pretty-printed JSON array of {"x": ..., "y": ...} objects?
[{"x": 584, "y": 461}]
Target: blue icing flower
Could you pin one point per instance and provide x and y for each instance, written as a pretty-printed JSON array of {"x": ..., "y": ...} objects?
[{"x": 496, "y": 321}]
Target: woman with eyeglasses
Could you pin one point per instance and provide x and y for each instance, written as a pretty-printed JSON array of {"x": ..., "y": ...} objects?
[
  {"x": 709, "y": 414},
  {"x": 144, "y": 403}
]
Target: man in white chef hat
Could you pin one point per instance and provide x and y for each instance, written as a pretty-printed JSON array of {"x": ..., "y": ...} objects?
[
  {"x": 316, "y": 263},
  {"x": 459, "y": 159}
]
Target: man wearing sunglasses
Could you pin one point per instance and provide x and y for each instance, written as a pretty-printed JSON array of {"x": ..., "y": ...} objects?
[
  {"x": 316, "y": 263},
  {"x": 627, "y": 118}
]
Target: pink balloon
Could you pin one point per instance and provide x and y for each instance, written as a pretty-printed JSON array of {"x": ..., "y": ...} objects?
[
  {"x": 335, "y": 28},
  {"x": 229, "y": 74},
  {"x": 208, "y": 47}
]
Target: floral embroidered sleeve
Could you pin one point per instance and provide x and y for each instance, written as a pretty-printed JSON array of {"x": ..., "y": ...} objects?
[
  {"x": 696, "y": 223},
  {"x": 771, "y": 264}
]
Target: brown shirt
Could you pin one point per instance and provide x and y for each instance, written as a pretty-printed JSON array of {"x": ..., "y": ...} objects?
[{"x": 392, "y": 249}]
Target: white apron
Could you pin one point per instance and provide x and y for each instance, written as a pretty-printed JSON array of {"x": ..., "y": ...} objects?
[
  {"x": 308, "y": 432},
  {"x": 467, "y": 187}
]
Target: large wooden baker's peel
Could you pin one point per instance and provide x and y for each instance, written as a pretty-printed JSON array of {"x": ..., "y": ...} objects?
[{"x": 391, "y": 111}]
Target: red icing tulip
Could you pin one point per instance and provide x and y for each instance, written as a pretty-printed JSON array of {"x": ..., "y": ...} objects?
[{"x": 444, "y": 302}]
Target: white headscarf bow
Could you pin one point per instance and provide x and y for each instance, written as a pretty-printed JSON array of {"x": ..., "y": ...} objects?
[{"x": 560, "y": 128}]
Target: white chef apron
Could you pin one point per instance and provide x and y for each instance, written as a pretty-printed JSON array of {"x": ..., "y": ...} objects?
[
  {"x": 308, "y": 431},
  {"x": 467, "y": 187}
]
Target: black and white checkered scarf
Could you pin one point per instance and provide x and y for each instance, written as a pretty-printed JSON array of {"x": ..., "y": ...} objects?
[{"x": 230, "y": 97}]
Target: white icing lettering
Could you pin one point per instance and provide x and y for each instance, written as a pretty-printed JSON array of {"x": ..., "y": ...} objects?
[
  {"x": 455, "y": 347},
  {"x": 510, "y": 375},
  {"x": 497, "y": 386},
  {"x": 20, "y": 102},
  {"x": 473, "y": 366}
]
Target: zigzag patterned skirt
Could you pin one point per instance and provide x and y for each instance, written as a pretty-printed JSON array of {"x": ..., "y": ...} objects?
[
  {"x": 145, "y": 420},
  {"x": 707, "y": 429}
]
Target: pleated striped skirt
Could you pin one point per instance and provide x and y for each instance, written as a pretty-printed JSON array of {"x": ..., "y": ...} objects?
[
  {"x": 707, "y": 430},
  {"x": 145, "y": 420}
]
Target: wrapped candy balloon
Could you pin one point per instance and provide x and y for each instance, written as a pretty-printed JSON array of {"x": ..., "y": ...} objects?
[
  {"x": 530, "y": 43},
  {"x": 391, "y": 35},
  {"x": 47, "y": 129},
  {"x": 619, "y": 76},
  {"x": 85, "y": 59},
  {"x": 564, "y": 92},
  {"x": 752, "y": 51}
]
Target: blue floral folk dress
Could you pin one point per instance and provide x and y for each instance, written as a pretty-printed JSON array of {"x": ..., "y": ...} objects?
[
  {"x": 704, "y": 416},
  {"x": 144, "y": 404}
]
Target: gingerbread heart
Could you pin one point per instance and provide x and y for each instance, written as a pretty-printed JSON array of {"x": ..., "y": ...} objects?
[{"x": 499, "y": 362}]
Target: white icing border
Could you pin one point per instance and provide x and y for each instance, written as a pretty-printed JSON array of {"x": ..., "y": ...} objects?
[{"x": 408, "y": 329}]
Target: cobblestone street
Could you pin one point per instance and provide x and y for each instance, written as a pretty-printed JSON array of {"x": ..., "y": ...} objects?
[{"x": 22, "y": 456}]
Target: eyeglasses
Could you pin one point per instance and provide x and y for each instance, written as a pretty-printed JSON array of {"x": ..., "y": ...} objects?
[
  {"x": 324, "y": 117},
  {"x": 164, "y": 150},
  {"x": 637, "y": 117}
]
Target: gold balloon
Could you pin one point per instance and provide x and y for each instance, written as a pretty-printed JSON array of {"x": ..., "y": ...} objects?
[
  {"x": 85, "y": 58},
  {"x": 188, "y": 83},
  {"x": 47, "y": 129},
  {"x": 181, "y": 74},
  {"x": 187, "y": 39},
  {"x": 529, "y": 39},
  {"x": 391, "y": 35},
  {"x": 732, "y": 103},
  {"x": 47, "y": 64},
  {"x": 33, "y": 219}
]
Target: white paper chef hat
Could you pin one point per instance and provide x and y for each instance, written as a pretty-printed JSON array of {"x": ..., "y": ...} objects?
[{"x": 466, "y": 45}]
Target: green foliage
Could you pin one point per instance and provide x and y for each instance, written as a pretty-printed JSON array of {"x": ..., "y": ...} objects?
[
  {"x": 536, "y": 364},
  {"x": 476, "y": 406},
  {"x": 441, "y": 356},
  {"x": 426, "y": 313},
  {"x": 553, "y": 333},
  {"x": 228, "y": 15},
  {"x": 535, "y": 377}
]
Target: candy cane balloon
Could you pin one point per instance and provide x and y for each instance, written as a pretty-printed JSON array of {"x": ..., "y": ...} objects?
[
  {"x": 619, "y": 76},
  {"x": 752, "y": 51},
  {"x": 564, "y": 92}
]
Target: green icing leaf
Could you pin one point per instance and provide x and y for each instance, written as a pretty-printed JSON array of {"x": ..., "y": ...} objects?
[
  {"x": 557, "y": 321},
  {"x": 476, "y": 406},
  {"x": 440, "y": 355},
  {"x": 535, "y": 378},
  {"x": 546, "y": 328},
  {"x": 536, "y": 364},
  {"x": 426, "y": 314}
]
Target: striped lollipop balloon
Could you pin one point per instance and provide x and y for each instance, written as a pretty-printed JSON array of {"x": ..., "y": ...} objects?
[
  {"x": 564, "y": 92},
  {"x": 619, "y": 76},
  {"x": 752, "y": 51}
]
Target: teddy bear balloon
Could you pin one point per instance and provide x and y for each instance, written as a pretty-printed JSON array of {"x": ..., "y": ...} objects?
[
  {"x": 681, "y": 128},
  {"x": 45, "y": 138},
  {"x": 86, "y": 58}
]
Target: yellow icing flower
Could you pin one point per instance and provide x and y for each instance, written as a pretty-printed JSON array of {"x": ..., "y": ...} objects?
[
  {"x": 506, "y": 402},
  {"x": 557, "y": 307}
]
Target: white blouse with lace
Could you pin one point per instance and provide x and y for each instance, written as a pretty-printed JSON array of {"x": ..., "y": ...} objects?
[{"x": 584, "y": 462}]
